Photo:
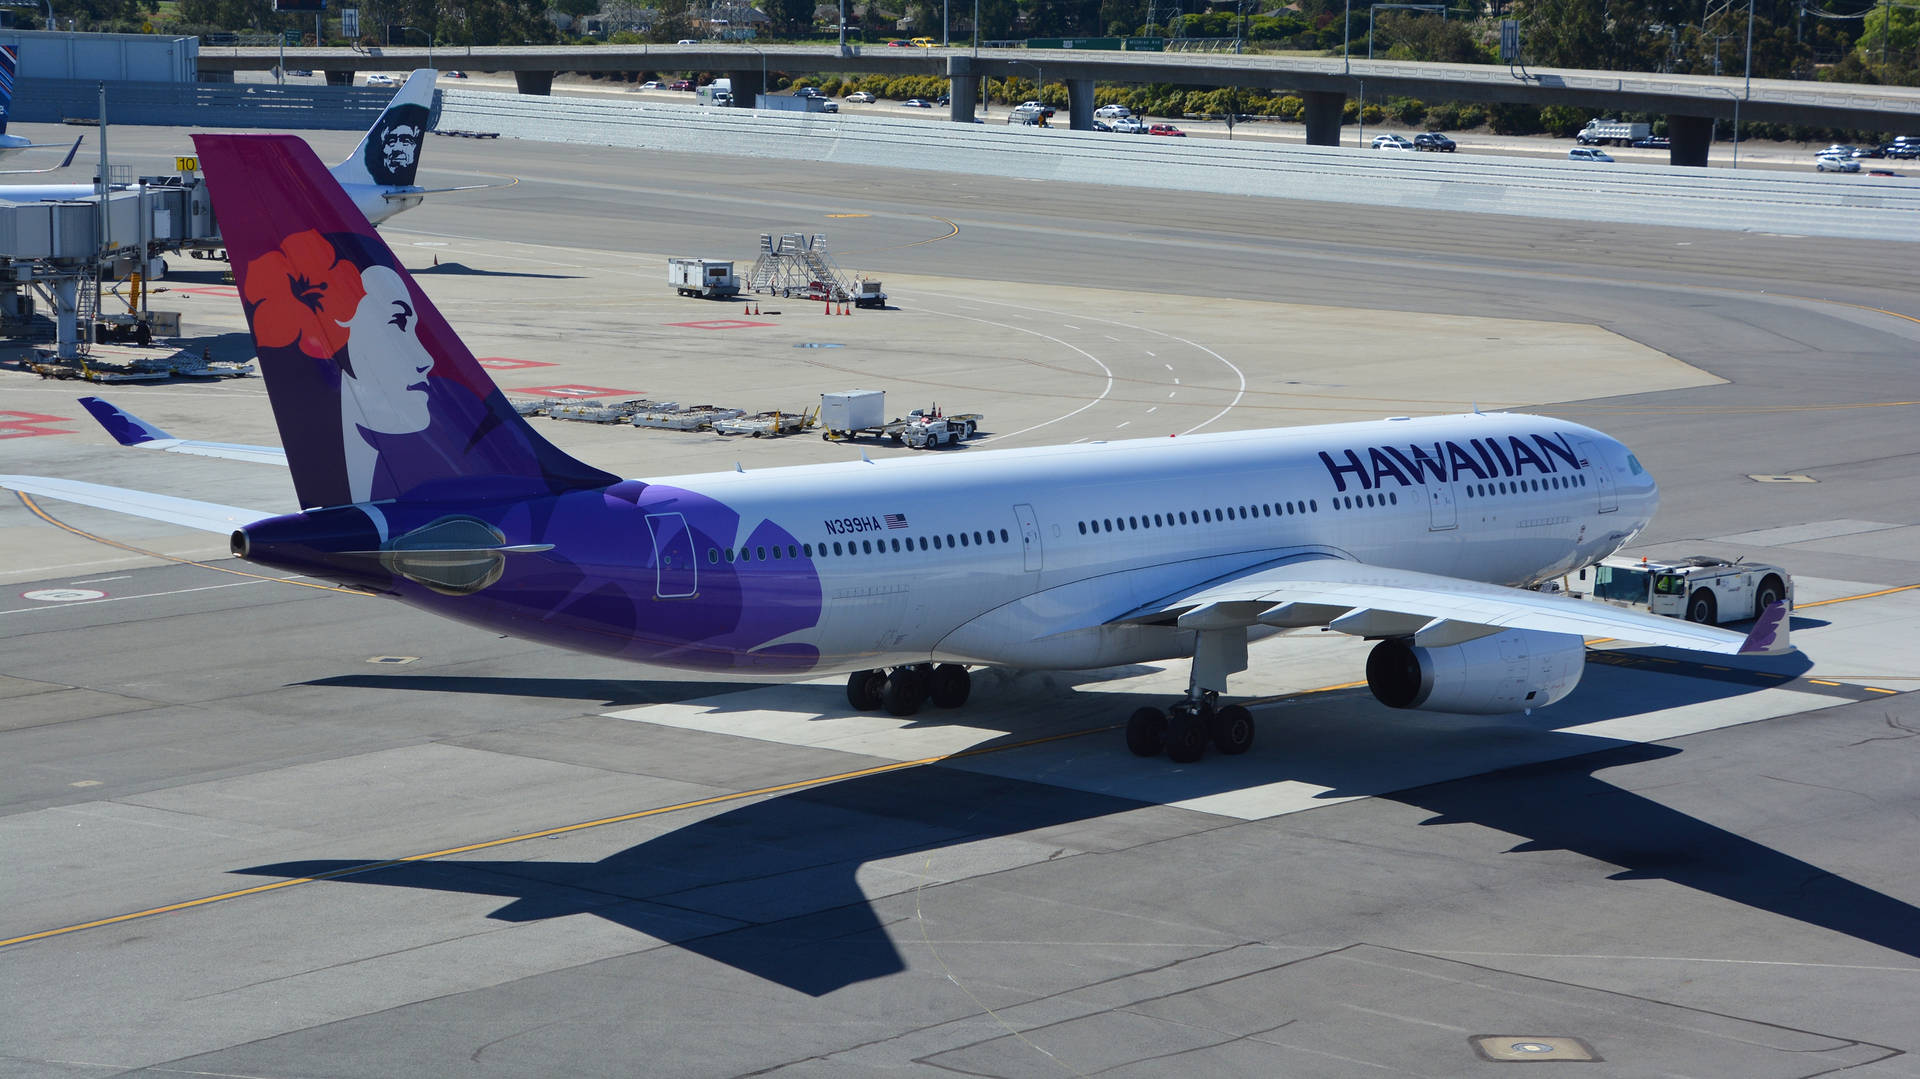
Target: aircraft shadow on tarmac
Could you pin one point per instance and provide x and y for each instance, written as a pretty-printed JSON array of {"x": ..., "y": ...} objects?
[
  {"x": 608, "y": 692},
  {"x": 771, "y": 887},
  {"x": 461, "y": 269}
]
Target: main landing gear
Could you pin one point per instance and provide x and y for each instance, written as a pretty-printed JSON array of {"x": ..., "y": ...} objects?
[
  {"x": 1184, "y": 729},
  {"x": 902, "y": 690}
]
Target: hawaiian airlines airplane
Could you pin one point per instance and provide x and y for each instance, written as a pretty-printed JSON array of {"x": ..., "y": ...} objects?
[
  {"x": 417, "y": 480},
  {"x": 378, "y": 176},
  {"x": 13, "y": 144}
]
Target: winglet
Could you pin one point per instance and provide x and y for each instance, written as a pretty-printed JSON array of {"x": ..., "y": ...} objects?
[
  {"x": 125, "y": 427},
  {"x": 1768, "y": 637}
]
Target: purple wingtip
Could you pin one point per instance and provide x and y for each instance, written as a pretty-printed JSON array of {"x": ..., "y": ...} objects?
[
  {"x": 126, "y": 428},
  {"x": 1769, "y": 632}
]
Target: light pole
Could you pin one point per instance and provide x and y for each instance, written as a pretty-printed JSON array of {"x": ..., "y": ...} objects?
[{"x": 429, "y": 35}]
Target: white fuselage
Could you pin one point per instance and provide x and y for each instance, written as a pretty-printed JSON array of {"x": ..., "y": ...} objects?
[{"x": 1022, "y": 557}]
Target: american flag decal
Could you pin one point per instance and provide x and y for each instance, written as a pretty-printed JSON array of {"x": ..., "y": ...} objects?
[{"x": 896, "y": 520}]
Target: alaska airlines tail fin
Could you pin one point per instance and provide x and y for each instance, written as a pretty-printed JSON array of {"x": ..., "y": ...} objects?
[
  {"x": 375, "y": 396},
  {"x": 389, "y": 155},
  {"x": 9, "y": 61}
]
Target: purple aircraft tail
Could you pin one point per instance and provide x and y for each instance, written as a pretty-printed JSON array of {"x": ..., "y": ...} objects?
[
  {"x": 375, "y": 396},
  {"x": 9, "y": 61}
]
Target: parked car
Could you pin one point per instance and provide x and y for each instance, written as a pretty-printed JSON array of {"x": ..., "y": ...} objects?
[
  {"x": 1826, "y": 162},
  {"x": 1392, "y": 142},
  {"x": 1587, "y": 153},
  {"x": 917, "y": 103},
  {"x": 1113, "y": 112},
  {"x": 1128, "y": 125},
  {"x": 860, "y": 97},
  {"x": 1654, "y": 142},
  {"x": 652, "y": 84},
  {"x": 682, "y": 84},
  {"x": 1166, "y": 129},
  {"x": 379, "y": 80},
  {"x": 1434, "y": 141}
]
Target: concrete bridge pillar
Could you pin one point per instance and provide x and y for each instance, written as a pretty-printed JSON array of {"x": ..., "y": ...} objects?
[
  {"x": 539, "y": 83},
  {"x": 1080, "y": 104},
  {"x": 339, "y": 78},
  {"x": 1690, "y": 137},
  {"x": 747, "y": 87},
  {"x": 1324, "y": 111},
  {"x": 966, "y": 98}
]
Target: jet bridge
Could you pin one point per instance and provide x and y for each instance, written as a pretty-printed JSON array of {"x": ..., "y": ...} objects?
[{"x": 64, "y": 250}]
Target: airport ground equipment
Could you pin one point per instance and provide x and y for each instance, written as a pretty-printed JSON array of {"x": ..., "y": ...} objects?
[
  {"x": 798, "y": 265},
  {"x": 1702, "y": 588},
  {"x": 710, "y": 278},
  {"x": 1619, "y": 133},
  {"x": 852, "y": 414},
  {"x": 867, "y": 293}
]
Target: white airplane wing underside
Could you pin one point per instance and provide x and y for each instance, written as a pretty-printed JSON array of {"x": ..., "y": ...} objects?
[
  {"x": 187, "y": 512},
  {"x": 1435, "y": 611},
  {"x": 130, "y": 430}
]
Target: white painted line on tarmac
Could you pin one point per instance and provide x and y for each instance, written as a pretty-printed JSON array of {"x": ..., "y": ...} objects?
[{"x": 143, "y": 595}]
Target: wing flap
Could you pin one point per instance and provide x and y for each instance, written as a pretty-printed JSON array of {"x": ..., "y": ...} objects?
[
  {"x": 186, "y": 512},
  {"x": 1379, "y": 601}
]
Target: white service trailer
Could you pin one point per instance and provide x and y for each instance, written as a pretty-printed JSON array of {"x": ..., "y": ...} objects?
[{"x": 712, "y": 278}]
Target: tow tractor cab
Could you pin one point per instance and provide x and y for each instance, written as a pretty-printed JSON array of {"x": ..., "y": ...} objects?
[{"x": 1700, "y": 589}]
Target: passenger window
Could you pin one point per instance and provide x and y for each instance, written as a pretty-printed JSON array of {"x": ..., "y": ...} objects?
[
  {"x": 976, "y": 539},
  {"x": 936, "y": 539},
  {"x": 713, "y": 556},
  {"x": 867, "y": 546},
  {"x": 950, "y": 539},
  {"x": 1083, "y": 528},
  {"x": 1003, "y": 536},
  {"x": 896, "y": 546},
  {"x": 1313, "y": 505},
  {"x": 963, "y": 539}
]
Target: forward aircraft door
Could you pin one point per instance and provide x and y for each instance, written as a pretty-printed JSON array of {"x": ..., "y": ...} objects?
[
  {"x": 1602, "y": 477},
  {"x": 1029, "y": 537},
  {"x": 676, "y": 573},
  {"x": 1440, "y": 500}
]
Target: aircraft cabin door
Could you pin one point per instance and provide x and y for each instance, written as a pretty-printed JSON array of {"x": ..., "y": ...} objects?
[
  {"x": 1440, "y": 501},
  {"x": 1029, "y": 537},
  {"x": 1602, "y": 477},
  {"x": 676, "y": 572}
]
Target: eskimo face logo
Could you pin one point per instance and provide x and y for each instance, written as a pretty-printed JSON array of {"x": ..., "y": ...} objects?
[{"x": 393, "y": 147}]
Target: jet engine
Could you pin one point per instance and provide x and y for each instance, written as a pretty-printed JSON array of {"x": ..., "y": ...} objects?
[{"x": 1507, "y": 672}]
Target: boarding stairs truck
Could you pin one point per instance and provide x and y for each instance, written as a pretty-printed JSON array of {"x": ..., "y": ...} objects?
[
  {"x": 710, "y": 278},
  {"x": 1617, "y": 132},
  {"x": 1702, "y": 588}
]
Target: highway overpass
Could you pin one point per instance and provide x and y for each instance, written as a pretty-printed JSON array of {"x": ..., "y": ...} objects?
[{"x": 1691, "y": 103}]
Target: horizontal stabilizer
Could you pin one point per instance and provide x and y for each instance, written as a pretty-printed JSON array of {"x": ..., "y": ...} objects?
[
  {"x": 186, "y": 512},
  {"x": 130, "y": 430}
]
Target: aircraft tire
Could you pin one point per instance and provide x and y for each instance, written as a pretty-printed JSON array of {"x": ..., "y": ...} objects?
[
  {"x": 949, "y": 686},
  {"x": 1186, "y": 739},
  {"x": 1147, "y": 732},
  {"x": 1232, "y": 730},
  {"x": 905, "y": 689},
  {"x": 863, "y": 689}
]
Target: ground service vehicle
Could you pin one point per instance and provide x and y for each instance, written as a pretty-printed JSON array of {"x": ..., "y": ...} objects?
[
  {"x": 867, "y": 293},
  {"x": 1700, "y": 589},
  {"x": 711, "y": 278},
  {"x": 1619, "y": 133}
]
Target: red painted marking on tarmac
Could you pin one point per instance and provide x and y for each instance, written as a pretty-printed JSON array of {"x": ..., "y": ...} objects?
[
  {"x": 571, "y": 391},
  {"x": 508, "y": 363},
  {"x": 210, "y": 290},
  {"x": 29, "y": 424},
  {"x": 722, "y": 324}
]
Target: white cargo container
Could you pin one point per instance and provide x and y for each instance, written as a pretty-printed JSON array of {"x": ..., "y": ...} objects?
[
  {"x": 712, "y": 278},
  {"x": 851, "y": 411}
]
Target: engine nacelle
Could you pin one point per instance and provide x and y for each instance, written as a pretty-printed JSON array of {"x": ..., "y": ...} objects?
[{"x": 1507, "y": 672}]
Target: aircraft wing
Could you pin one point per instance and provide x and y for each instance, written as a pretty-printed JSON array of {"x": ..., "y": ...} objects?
[
  {"x": 1435, "y": 611},
  {"x": 130, "y": 430},
  {"x": 71, "y": 151},
  {"x": 416, "y": 192},
  {"x": 205, "y": 516}
]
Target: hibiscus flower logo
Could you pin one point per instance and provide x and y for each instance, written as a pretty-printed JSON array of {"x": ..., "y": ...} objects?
[{"x": 303, "y": 292}]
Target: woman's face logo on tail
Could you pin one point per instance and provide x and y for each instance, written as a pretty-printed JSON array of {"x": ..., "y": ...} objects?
[{"x": 385, "y": 381}]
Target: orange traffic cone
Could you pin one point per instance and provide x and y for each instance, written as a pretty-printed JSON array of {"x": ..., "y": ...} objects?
[
  {"x": 756, "y": 307},
  {"x": 829, "y": 307},
  {"x": 746, "y": 310},
  {"x": 845, "y": 310}
]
